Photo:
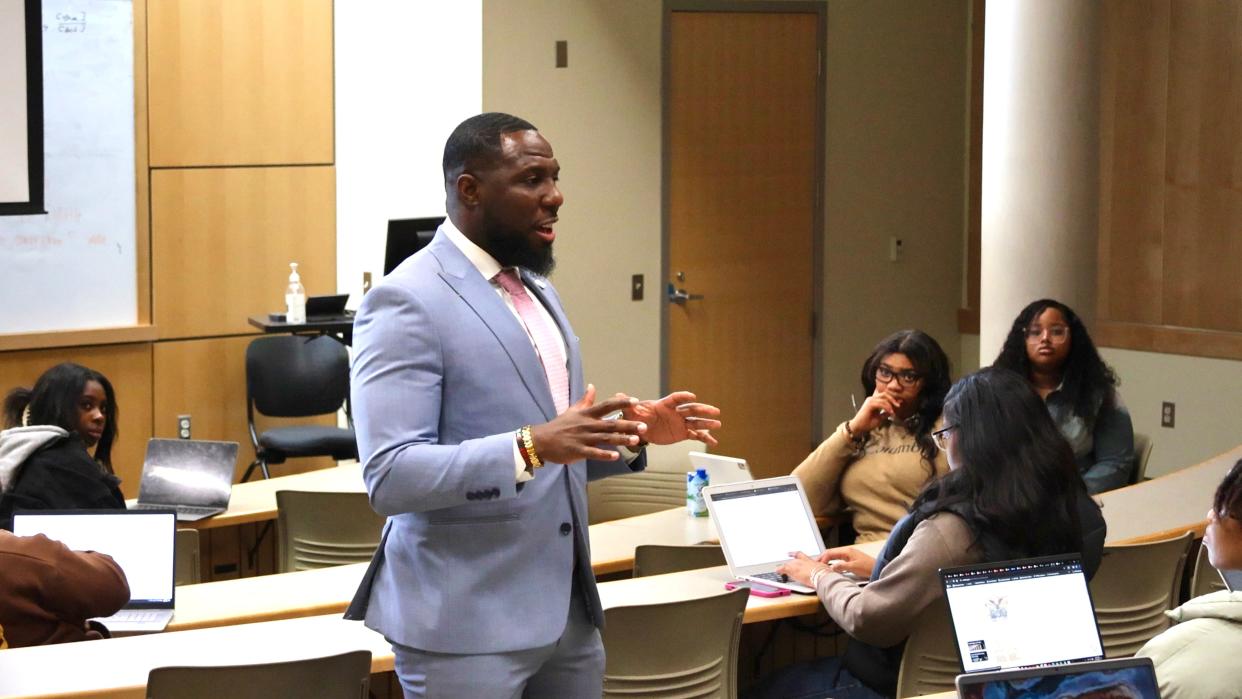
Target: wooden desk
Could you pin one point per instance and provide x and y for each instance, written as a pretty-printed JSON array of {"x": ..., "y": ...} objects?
[
  {"x": 329, "y": 590},
  {"x": 1167, "y": 506}
]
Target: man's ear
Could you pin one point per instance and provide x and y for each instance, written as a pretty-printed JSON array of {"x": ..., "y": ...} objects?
[{"x": 467, "y": 189}]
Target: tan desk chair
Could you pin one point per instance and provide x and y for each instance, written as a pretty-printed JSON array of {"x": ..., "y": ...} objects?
[
  {"x": 661, "y": 486},
  {"x": 344, "y": 676},
  {"x": 1205, "y": 578},
  {"x": 1135, "y": 585},
  {"x": 658, "y": 559},
  {"x": 187, "y": 570},
  {"x": 676, "y": 649},
  {"x": 929, "y": 663},
  {"x": 1142, "y": 454},
  {"x": 322, "y": 529}
]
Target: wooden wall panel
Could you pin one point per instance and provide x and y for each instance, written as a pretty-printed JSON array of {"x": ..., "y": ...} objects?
[
  {"x": 222, "y": 240},
  {"x": 218, "y": 405},
  {"x": 206, "y": 379},
  {"x": 128, "y": 368},
  {"x": 239, "y": 82}
]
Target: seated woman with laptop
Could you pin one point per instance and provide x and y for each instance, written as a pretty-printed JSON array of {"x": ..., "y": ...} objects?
[
  {"x": 1013, "y": 491},
  {"x": 876, "y": 462},
  {"x": 45, "y": 457},
  {"x": 1198, "y": 657}
]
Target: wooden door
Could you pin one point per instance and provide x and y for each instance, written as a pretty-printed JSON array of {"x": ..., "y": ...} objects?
[{"x": 742, "y": 125}]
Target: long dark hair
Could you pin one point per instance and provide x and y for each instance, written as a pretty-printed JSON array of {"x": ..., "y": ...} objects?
[
  {"x": 1086, "y": 380},
  {"x": 932, "y": 364},
  {"x": 1015, "y": 474},
  {"x": 1228, "y": 500},
  {"x": 54, "y": 401}
]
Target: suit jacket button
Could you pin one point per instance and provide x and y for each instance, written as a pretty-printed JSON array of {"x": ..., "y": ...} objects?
[{"x": 566, "y": 528}]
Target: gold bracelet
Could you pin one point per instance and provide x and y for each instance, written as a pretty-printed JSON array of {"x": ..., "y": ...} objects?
[{"x": 528, "y": 448}]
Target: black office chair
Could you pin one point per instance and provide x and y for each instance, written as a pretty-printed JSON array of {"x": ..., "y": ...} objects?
[{"x": 297, "y": 376}]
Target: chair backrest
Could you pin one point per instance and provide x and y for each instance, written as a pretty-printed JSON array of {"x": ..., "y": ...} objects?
[
  {"x": 675, "y": 649},
  {"x": 634, "y": 494},
  {"x": 187, "y": 563},
  {"x": 344, "y": 676},
  {"x": 321, "y": 529},
  {"x": 296, "y": 376},
  {"x": 1135, "y": 585},
  {"x": 930, "y": 663},
  {"x": 658, "y": 559},
  {"x": 1205, "y": 578},
  {"x": 1142, "y": 453}
]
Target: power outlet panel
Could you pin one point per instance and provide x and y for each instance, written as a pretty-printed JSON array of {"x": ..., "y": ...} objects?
[
  {"x": 1168, "y": 414},
  {"x": 183, "y": 427}
]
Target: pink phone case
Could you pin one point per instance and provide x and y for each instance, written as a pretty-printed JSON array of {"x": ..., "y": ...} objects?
[{"x": 757, "y": 589}]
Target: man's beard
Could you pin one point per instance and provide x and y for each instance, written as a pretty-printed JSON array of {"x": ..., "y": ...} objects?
[{"x": 517, "y": 251}]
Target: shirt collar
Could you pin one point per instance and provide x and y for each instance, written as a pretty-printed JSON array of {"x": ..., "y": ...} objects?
[{"x": 482, "y": 261}]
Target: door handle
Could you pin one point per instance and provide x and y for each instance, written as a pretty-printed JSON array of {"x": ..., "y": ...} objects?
[{"x": 681, "y": 296}]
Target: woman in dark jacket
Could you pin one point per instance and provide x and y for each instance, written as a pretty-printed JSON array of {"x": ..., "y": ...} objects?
[
  {"x": 45, "y": 457},
  {"x": 1013, "y": 491}
]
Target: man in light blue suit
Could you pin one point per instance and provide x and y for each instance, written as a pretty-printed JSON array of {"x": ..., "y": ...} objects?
[{"x": 478, "y": 435}]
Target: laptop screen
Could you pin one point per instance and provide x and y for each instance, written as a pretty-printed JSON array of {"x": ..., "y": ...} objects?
[
  {"x": 141, "y": 542},
  {"x": 1025, "y": 613},
  {"x": 763, "y": 524},
  {"x": 1132, "y": 678},
  {"x": 188, "y": 472}
]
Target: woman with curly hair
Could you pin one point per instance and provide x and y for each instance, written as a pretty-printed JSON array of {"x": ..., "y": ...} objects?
[
  {"x": 1049, "y": 345},
  {"x": 876, "y": 462}
]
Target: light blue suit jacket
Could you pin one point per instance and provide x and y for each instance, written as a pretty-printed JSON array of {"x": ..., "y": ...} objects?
[{"x": 443, "y": 375}]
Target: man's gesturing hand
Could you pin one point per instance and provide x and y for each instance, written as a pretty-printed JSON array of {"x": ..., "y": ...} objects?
[
  {"x": 580, "y": 431},
  {"x": 674, "y": 418}
]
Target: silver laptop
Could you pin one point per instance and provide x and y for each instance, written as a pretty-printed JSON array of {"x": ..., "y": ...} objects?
[
  {"x": 192, "y": 476},
  {"x": 1019, "y": 614},
  {"x": 1134, "y": 678},
  {"x": 759, "y": 523},
  {"x": 721, "y": 469},
  {"x": 141, "y": 542}
]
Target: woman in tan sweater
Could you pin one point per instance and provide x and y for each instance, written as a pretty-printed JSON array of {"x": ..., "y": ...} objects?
[{"x": 876, "y": 462}]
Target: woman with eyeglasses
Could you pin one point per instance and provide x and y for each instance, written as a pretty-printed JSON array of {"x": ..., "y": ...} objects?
[
  {"x": 876, "y": 462},
  {"x": 1013, "y": 491},
  {"x": 1049, "y": 345}
]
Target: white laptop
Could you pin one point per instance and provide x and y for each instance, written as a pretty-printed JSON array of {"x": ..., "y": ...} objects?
[
  {"x": 192, "y": 476},
  {"x": 721, "y": 469},
  {"x": 1019, "y": 614},
  {"x": 759, "y": 523},
  {"x": 1133, "y": 678},
  {"x": 140, "y": 541}
]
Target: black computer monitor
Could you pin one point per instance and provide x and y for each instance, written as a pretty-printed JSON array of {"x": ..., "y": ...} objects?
[{"x": 407, "y": 236}]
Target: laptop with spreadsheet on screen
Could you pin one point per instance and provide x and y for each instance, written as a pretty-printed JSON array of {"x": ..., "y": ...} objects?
[
  {"x": 192, "y": 476},
  {"x": 759, "y": 523},
  {"x": 1023, "y": 613},
  {"x": 140, "y": 541}
]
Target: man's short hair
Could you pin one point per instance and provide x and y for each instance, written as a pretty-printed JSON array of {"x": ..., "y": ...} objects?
[{"x": 475, "y": 143}]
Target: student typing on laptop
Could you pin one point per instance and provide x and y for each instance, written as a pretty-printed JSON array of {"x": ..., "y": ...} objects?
[
  {"x": 1198, "y": 657},
  {"x": 996, "y": 433}
]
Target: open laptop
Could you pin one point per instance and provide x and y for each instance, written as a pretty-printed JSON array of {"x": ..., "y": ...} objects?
[
  {"x": 140, "y": 541},
  {"x": 320, "y": 307},
  {"x": 759, "y": 523},
  {"x": 721, "y": 469},
  {"x": 1018, "y": 614},
  {"x": 1134, "y": 678},
  {"x": 192, "y": 476}
]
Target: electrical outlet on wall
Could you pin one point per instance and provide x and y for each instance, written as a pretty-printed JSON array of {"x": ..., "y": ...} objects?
[
  {"x": 183, "y": 426},
  {"x": 1168, "y": 414}
]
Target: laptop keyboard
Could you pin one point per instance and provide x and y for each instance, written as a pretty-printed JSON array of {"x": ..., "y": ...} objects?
[
  {"x": 774, "y": 577},
  {"x": 181, "y": 509},
  {"x": 135, "y": 616}
]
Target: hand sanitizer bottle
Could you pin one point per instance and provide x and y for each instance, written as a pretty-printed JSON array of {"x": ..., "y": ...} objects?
[{"x": 295, "y": 298}]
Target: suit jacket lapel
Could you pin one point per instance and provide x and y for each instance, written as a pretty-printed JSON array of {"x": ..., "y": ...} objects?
[{"x": 481, "y": 297}]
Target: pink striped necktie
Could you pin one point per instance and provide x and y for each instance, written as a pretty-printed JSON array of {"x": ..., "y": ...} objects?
[{"x": 545, "y": 335}]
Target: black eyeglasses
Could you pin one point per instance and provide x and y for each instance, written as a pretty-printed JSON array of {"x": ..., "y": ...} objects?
[
  {"x": 884, "y": 374},
  {"x": 1056, "y": 333},
  {"x": 941, "y": 437}
]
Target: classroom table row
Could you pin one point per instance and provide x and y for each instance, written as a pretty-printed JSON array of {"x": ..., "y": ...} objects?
[{"x": 1163, "y": 506}]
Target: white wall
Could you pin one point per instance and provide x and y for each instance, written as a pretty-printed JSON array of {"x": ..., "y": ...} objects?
[{"x": 406, "y": 74}]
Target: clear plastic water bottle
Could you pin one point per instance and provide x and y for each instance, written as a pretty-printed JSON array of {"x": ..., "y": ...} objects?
[
  {"x": 295, "y": 298},
  {"x": 696, "y": 480}
]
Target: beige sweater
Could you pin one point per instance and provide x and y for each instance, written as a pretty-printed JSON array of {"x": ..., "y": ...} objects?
[
  {"x": 877, "y": 485},
  {"x": 883, "y": 612}
]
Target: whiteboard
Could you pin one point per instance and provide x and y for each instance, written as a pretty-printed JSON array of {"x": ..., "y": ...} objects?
[{"x": 75, "y": 267}]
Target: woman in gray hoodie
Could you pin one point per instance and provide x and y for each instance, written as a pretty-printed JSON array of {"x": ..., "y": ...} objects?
[{"x": 45, "y": 457}]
